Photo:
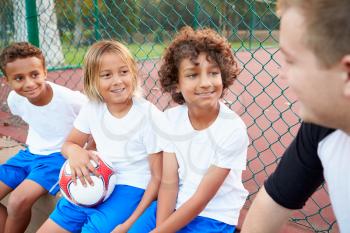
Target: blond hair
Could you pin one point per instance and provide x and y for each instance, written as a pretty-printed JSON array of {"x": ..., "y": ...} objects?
[
  {"x": 327, "y": 24},
  {"x": 92, "y": 66}
]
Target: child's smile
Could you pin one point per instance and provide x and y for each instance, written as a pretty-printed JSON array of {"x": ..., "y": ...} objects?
[
  {"x": 115, "y": 81},
  {"x": 200, "y": 82},
  {"x": 27, "y": 77}
]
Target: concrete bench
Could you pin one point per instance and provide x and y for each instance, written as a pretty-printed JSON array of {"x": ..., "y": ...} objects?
[{"x": 45, "y": 205}]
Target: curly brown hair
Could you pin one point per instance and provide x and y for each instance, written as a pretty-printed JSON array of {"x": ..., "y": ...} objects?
[
  {"x": 189, "y": 43},
  {"x": 19, "y": 50}
]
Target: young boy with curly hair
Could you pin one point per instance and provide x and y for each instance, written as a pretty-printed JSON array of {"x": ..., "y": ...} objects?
[{"x": 201, "y": 188}]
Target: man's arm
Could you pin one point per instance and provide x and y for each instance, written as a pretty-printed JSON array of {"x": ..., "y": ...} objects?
[
  {"x": 265, "y": 215},
  {"x": 295, "y": 179}
]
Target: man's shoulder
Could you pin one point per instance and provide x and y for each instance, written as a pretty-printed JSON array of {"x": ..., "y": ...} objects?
[
  {"x": 314, "y": 132},
  {"x": 301, "y": 165},
  {"x": 307, "y": 141}
]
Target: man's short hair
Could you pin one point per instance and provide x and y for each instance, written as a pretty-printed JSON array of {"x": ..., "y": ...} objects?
[{"x": 327, "y": 24}]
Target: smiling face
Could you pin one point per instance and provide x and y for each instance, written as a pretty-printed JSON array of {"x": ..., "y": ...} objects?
[
  {"x": 200, "y": 82},
  {"x": 319, "y": 89},
  {"x": 115, "y": 80},
  {"x": 26, "y": 76}
]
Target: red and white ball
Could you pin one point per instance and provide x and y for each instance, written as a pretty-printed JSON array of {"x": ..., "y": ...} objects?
[{"x": 88, "y": 196}]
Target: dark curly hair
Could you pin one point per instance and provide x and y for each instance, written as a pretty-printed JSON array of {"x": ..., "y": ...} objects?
[
  {"x": 19, "y": 50},
  {"x": 189, "y": 43}
]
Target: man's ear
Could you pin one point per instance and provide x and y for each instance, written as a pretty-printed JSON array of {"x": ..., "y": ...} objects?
[{"x": 345, "y": 63}]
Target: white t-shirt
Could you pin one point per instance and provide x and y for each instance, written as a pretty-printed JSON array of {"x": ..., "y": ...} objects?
[
  {"x": 334, "y": 152},
  {"x": 49, "y": 125},
  {"x": 128, "y": 141},
  {"x": 223, "y": 144}
]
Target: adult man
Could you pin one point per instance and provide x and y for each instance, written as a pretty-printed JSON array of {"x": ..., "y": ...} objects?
[{"x": 314, "y": 41}]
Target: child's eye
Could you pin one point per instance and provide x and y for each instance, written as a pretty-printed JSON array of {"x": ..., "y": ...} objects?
[
  {"x": 191, "y": 76},
  {"x": 106, "y": 76},
  {"x": 214, "y": 73},
  {"x": 18, "y": 78},
  {"x": 124, "y": 72},
  {"x": 35, "y": 75}
]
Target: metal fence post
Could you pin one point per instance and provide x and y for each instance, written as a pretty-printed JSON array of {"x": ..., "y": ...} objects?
[
  {"x": 97, "y": 20},
  {"x": 252, "y": 24},
  {"x": 32, "y": 22}
]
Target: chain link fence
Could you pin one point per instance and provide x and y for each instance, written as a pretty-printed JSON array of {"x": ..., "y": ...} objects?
[{"x": 65, "y": 28}]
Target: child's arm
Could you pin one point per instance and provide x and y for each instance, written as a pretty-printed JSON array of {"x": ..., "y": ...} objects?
[
  {"x": 151, "y": 192},
  {"x": 90, "y": 144},
  {"x": 207, "y": 189},
  {"x": 169, "y": 188},
  {"x": 79, "y": 158}
]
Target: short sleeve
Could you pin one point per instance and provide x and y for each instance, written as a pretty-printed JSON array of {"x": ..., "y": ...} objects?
[
  {"x": 81, "y": 123},
  {"x": 74, "y": 99},
  {"x": 11, "y": 102},
  {"x": 231, "y": 153},
  {"x": 156, "y": 135},
  {"x": 300, "y": 170},
  {"x": 77, "y": 101}
]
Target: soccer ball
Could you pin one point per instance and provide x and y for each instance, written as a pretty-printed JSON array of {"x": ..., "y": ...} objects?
[{"x": 88, "y": 196}]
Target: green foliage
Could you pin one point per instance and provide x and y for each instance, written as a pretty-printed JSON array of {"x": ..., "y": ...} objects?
[
  {"x": 121, "y": 19},
  {"x": 148, "y": 51},
  {"x": 148, "y": 25}
]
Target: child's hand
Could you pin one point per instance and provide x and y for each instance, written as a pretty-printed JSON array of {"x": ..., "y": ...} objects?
[
  {"x": 121, "y": 228},
  {"x": 81, "y": 167}
]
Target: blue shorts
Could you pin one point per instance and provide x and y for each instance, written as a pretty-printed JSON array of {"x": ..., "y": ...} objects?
[
  {"x": 42, "y": 169},
  {"x": 102, "y": 218},
  {"x": 147, "y": 222}
]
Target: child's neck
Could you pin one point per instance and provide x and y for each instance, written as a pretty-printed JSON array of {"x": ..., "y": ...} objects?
[
  {"x": 203, "y": 118},
  {"x": 120, "y": 110},
  {"x": 44, "y": 98}
]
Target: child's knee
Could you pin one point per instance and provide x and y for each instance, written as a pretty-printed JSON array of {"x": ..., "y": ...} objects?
[{"x": 18, "y": 203}]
